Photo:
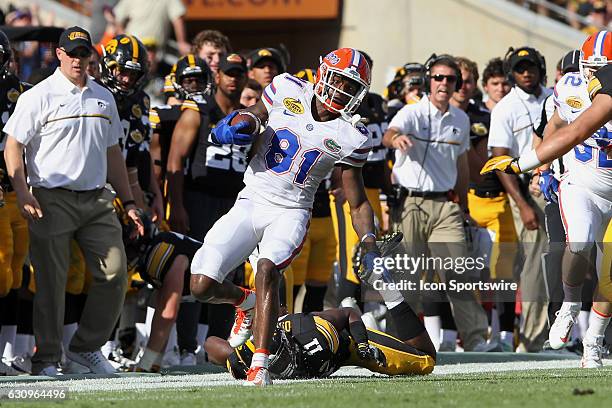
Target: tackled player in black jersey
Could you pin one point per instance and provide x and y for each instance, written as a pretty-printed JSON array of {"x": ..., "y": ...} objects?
[
  {"x": 317, "y": 344},
  {"x": 124, "y": 68}
]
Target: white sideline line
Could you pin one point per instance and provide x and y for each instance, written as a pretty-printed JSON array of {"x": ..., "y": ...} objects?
[{"x": 224, "y": 379}]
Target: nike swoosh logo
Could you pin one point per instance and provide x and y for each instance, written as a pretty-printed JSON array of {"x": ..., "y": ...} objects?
[
  {"x": 575, "y": 111},
  {"x": 287, "y": 113}
]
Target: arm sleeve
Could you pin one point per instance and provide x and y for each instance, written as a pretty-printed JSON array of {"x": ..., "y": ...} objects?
[
  {"x": 404, "y": 119},
  {"x": 26, "y": 121},
  {"x": 281, "y": 84},
  {"x": 359, "y": 156},
  {"x": 175, "y": 9},
  {"x": 500, "y": 134}
]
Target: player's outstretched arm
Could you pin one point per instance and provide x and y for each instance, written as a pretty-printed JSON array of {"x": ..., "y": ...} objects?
[
  {"x": 361, "y": 210},
  {"x": 558, "y": 143},
  {"x": 563, "y": 140}
]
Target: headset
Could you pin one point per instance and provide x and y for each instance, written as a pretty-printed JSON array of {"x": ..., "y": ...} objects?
[
  {"x": 541, "y": 63},
  {"x": 448, "y": 60}
]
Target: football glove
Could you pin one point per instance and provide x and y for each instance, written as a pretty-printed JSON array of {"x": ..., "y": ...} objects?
[
  {"x": 364, "y": 263},
  {"x": 506, "y": 164},
  {"x": 224, "y": 133},
  {"x": 549, "y": 186},
  {"x": 365, "y": 351}
]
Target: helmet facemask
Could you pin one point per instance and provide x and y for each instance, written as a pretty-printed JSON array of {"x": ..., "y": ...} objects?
[
  {"x": 589, "y": 66},
  {"x": 198, "y": 89},
  {"x": 328, "y": 94}
]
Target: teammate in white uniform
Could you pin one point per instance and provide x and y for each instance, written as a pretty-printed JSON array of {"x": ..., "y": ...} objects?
[
  {"x": 309, "y": 131},
  {"x": 585, "y": 198}
]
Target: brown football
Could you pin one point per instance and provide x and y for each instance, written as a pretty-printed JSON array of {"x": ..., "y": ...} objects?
[{"x": 241, "y": 117}]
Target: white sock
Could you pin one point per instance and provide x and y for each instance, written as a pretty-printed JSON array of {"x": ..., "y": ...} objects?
[
  {"x": 583, "y": 323},
  {"x": 494, "y": 323},
  {"x": 172, "y": 340},
  {"x": 148, "y": 359},
  {"x": 8, "y": 334},
  {"x": 107, "y": 348},
  {"x": 69, "y": 330},
  {"x": 149, "y": 321},
  {"x": 260, "y": 360},
  {"x": 507, "y": 337},
  {"x": 449, "y": 336},
  {"x": 22, "y": 343},
  {"x": 249, "y": 300},
  {"x": 201, "y": 335},
  {"x": 433, "y": 325},
  {"x": 598, "y": 322}
]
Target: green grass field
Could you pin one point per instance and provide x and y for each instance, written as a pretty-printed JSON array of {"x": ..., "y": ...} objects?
[{"x": 532, "y": 388}]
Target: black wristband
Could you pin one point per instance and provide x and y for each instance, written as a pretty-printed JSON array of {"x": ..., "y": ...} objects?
[
  {"x": 359, "y": 333},
  {"x": 127, "y": 202}
]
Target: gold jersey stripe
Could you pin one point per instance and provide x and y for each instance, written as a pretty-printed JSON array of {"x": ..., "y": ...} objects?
[
  {"x": 86, "y": 115},
  {"x": 190, "y": 105},
  {"x": 329, "y": 331},
  {"x": 594, "y": 87},
  {"x": 162, "y": 252}
]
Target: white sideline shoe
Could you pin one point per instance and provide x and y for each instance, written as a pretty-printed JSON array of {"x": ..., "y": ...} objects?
[
  {"x": 94, "y": 360},
  {"x": 560, "y": 331}
]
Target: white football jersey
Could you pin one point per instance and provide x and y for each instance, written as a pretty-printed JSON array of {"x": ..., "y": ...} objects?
[
  {"x": 591, "y": 165},
  {"x": 295, "y": 152}
]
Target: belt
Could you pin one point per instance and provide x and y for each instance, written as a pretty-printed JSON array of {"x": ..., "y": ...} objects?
[
  {"x": 424, "y": 194},
  {"x": 486, "y": 194},
  {"x": 79, "y": 191}
]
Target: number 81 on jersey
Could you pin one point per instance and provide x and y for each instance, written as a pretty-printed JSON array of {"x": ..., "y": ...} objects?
[{"x": 283, "y": 151}]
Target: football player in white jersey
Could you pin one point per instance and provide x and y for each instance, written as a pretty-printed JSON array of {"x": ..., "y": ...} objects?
[
  {"x": 585, "y": 194},
  {"x": 310, "y": 129}
]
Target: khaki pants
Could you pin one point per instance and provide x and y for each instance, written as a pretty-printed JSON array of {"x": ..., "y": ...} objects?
[
  {"x": 89, "y": 218},
  {"x": 534, "y": 304},
  {"x": 440, "y": 221}
]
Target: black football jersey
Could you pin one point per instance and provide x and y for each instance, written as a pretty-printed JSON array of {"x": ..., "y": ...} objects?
[
  {"x": 373, "y": 113},
  {"x": 315, "y": 347},
  {"x": 219, "y": 170},
  {"x": 10, "y": 90},
  {"x": 601, "y": 82},
  {"x": 163, "y": 120},
  {"x": 134, "y": 115},
  {"x": 480, "y": 123},
  {"x": 160, "y": 254}
]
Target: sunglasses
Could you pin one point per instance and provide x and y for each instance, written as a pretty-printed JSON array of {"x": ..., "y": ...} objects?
[
  {"x": 78, "y": 53},
  {"x": 440, "y": 78}
]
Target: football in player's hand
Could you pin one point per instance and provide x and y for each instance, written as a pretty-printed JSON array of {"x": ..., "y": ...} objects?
[{"x": 242, "y": 117}]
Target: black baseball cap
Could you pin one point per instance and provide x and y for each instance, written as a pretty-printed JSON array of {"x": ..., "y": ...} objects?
[
  {"x": 524, "y": 54},
  {"x": 260, "y": 54},
  {"x": 570, "y": 62},
  {"x": 75, "y": 37},
  {"x": 233, "y": 61}
]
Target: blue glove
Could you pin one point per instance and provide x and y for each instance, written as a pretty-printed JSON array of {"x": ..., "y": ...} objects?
[
  {"x": 549, "y": 186},
  {"x": 224, "y": 133},
  {"x": 602, "y": 138},
  {"x": 371, "y": 266}
]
